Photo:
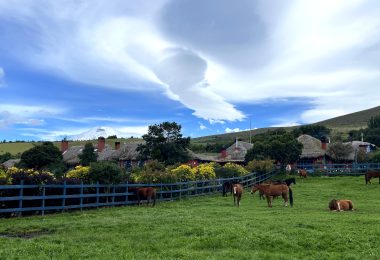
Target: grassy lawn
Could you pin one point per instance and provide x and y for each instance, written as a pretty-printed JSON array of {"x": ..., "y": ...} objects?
[{"x": 210, "y": 228}]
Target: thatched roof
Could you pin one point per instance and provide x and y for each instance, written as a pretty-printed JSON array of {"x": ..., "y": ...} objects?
[
  {"x": 70, "y": 156},
  {"x": 129, "y": 151},
  {"x": 312, "y": 147},
  {"x": 237, "y": 151},
  {"x": 10, "y": 163},
  {"x": 356, "y": 146}
]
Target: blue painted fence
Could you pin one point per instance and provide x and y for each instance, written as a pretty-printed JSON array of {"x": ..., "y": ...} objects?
[
  {"x": 40, "y": 199},
  {"x": 339, "y": 169}
]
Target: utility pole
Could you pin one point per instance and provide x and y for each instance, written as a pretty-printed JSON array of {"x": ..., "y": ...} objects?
[{"x": 250, "y": 135}]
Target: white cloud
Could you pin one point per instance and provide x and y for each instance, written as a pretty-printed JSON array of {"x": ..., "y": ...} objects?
[
  {"x": 11, "y": 114},
  {"x": 325, "y": 52},
  {"x": 234, "y": 130},
  {"x": 202, "y": 126},
  {"x": 2, "y": 74}
]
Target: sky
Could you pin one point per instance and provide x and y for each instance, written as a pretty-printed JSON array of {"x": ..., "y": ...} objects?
[{"x": 213, "y": 66}]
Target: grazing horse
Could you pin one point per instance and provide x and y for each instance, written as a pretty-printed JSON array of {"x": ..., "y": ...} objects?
[
  {"x": 340, "y": 205},
  {"x": 273, "y": 190},
  {"x": 237, "y": 190},
  {"x": 302, "y": 173},
  {"x": 288, "y": 181},
  {"x": 227, "y": 187},
  {"x": 148, "y": 193},
  {"x": 371, "y": 174}
]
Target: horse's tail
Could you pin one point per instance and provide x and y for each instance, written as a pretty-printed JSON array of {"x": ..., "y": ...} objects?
[
  {"x": 291, "y": 197},
  {"x": 154, "y": 197},
  {"x": 366, "y": 178}
]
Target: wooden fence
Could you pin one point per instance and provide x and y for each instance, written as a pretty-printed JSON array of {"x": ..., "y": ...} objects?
[
  {"x": 339, "y": 169},
  {"x": 16, "y": 200}
]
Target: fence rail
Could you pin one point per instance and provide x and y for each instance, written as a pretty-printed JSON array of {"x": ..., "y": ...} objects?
[
  {"x": 339, "y": 169},
  {"x": 40, "y": 199}
]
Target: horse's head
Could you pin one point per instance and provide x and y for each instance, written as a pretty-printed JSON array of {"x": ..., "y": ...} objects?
[
  {"x": 333, "y": 205},
  {"x": 254, "y": 189}
]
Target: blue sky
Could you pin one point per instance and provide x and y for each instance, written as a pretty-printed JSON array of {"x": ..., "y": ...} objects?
[{"x": 212, "y": 66}]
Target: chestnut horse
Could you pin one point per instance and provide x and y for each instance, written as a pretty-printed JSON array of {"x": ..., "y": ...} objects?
[
  {"x": 273, "y": 190},
  {"x": 371, "y": 174},
  {"x": 237, "y": 190},
  {"x": 340, "y": 205},
  {"x": 148, "y": 193},
  {"x": 302, "y": 173},
  {"x": 288, "y": 182}
]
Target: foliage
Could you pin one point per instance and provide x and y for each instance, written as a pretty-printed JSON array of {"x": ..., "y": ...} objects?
[
  {"x": 375, "y": 158},
  {"x": 30, "y": 176},
  {"x": 152, "y": 172},
  {"x": 362, "y": 156},
  {"x": 105, "y": 173},
  {"x": 4, "y": 178},
  {"x": 112, "y": 137},
  {"x": 374, "y": 122},
  {"x": 41, "y": 156},
  {"x": 164, "y": 143},
  {"x": 209, "y": 147},
  {"x": 5, "y": 157},
  {"x": 184, "y": 173},
  {"x": 80, "y": 172},
  {"x": 205, "y": 171},
  {"x": 233, "y": 170},
  {"x": 88, "y": 155},
  {"x": 317, "y": 131},
  {"x": 279, "y": 145},
  {"x": 260, "y": 166},
  {"x": 339, "y": 151}
]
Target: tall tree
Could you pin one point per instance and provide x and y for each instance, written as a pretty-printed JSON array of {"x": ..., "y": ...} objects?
[
  {"x": 88, "y": 155},
  {"x": 41, "y": 156},
  {"x": 164, "y": 143},
  {"x": 339, "y": 151},
  {"x": 317, "y": 131},
  {"x": 279, "y": 146}
]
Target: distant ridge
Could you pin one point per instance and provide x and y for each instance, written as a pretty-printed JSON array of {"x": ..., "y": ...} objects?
[
  {"x": 342, "y": 124},
  {"x": 95, "y": 133}
]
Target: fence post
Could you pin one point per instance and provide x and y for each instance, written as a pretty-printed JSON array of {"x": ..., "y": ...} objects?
[
  {"x": 43, "y": 199},
  {"x": 21, "y": 193},
  {"x": 180, "y": 190},
  {"x": 64, "y": 196},
  {"x": 126, "y": 193},
  {"x": 113, "y": 196},
  {"x": 81, "y": 195},
  {"x": 97, "y": 194}
]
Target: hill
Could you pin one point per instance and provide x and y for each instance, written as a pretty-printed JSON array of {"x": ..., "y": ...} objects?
[{"x": 341, "y": 124}]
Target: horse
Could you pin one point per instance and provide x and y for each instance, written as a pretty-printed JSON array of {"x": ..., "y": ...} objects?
[
  {"x": 237, "y": 192},
  {"x": 273, "y": 190},
  {"x": 371, "y": 174},
  {"x": 288, "y": 169},
  {"x": 148, "y": 193},
  {"x": 341, "y": 205},
  {"x": 302, "y": 173},
  {"x": 288, "y": 181},
  {"x": 227, "y": 187}
]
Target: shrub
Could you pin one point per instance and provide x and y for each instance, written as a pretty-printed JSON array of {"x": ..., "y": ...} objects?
[
  {"x": 30, "y": 176},
  {"x": 152, "y": 172},
  {"x": 233, "y": 169},
  {"x": 184, "y": 172},
  {"x": 80, "y": 172},
  {"x": 105, "y": 172},
  {"x": 4, "y": 178},
  {"x": 206, "y": 171},
  {"x": 260, "y": 166}
]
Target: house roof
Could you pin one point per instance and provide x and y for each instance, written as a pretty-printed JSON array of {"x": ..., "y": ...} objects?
[
  {"x": 312, "y": 147},
  {"x": 10, "y": 163}
]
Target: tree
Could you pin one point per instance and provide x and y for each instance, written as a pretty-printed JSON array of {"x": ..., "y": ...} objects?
[
  {"x": 317, "y": 131},
  {"x": 42, "y": 156},
  {"x": 339, "y": 151},
  {"x": 5, "y": 157},
  {"x": 105, "y": 172},
  {"x": 164, "y": 143},
  {"x": 374, "y": 122},
  {"x": 280, "y": 146},
  {"x": 88, "y": 155}
]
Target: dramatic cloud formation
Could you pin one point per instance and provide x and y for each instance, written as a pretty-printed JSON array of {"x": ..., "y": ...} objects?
[{"x": 213, "y": 57}]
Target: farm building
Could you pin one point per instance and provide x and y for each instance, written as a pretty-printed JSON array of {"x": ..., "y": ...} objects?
[
  {"x": 125, "y": 154},
  {"x": 10, "y": 163},
  {"x": 315, "y": 151}
]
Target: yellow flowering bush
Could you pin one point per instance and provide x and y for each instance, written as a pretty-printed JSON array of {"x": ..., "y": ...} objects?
[
  {"x": 260, "y": 166},
  {"x": 79, "y": 172},
  {"x": 184, "y": 172},
  {"x": 3, "y": 177},
  {"x": 29, "y": 176},
  {"x": 206, "y": 171},
  {"x": 234, "y": 169}
]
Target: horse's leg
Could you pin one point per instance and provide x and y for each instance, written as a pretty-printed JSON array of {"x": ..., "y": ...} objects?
[
  {"x": 269, "y": 201},
  {"x": 285, "y": 197}
]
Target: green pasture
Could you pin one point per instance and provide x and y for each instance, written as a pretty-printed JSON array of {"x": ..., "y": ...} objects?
[{"x": 210, "y": 227}]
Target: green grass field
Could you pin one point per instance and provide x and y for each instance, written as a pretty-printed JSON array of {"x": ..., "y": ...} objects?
[{"x": 210, "y": 227}]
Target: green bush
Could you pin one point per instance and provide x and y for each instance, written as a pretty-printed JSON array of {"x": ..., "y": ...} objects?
[
  {"x": 105, "y": 173},
  {"x": 260, "y": 166}
]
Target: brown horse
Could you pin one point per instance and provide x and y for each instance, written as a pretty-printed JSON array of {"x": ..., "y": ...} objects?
[
  {"x": 273, "y": 190},
  {"x": 371, "y": 174},
  {"x": 302, "y": 173},
  {"x": 237, "y": 190},
  {"x": 148, "y": 193},
  {"x": 340, "y": 205}
]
